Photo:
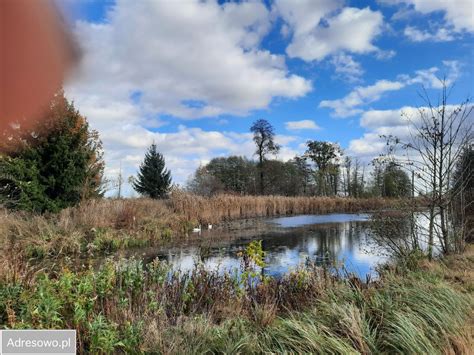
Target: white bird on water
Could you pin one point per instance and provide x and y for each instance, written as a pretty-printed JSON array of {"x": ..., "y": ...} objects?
[{"x": 198, "y": 229}]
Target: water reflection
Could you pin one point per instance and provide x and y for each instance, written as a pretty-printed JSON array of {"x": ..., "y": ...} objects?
[
  {"x": 297, "y": 221},
  {"x": 344, "y": 239}
]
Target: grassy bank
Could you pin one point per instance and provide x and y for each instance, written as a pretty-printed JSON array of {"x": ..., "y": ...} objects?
[
  {"x": 97, "y": 227},
  {"x": 415, "y": 307}
]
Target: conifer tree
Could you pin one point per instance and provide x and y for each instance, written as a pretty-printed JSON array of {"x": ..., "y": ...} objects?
[
  {"x": 153, "y": 179},
  {"x": 53, "y": 165}
]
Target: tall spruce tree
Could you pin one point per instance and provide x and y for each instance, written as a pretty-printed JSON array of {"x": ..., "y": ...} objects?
[{"x": 153, "y": 180}]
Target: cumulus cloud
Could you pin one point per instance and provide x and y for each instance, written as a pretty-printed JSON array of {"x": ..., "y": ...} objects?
[
  {"x": 457, "y": 13},
  {"x": 184, "y": 149},
  {"x": 373, "y": 143},
  {"x": 304, "y": 15},
  {"x": 367, "y": 147},
  {"x": 398, "y": 122},
  {"x": 432, "y": 77},
  {"x": 301, "y": 125},
  {"x": 353, "y": 103},
  {"x": 322, "y": 28},
  {"x": 458, "y": 17},
  {"x": 384, "y": 118},
  {"x": 202, "y": 60}
]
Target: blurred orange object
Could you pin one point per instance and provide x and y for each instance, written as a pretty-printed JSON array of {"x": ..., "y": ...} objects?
[{"x": 36, "y": 52}]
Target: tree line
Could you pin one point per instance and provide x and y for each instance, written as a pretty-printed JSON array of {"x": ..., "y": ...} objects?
[{"x": 322, "y": 170}]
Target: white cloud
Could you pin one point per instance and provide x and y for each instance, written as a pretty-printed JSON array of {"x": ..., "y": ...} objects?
[
  {"x": 372, "y": 143},
  {"x": 321, "y": 28},
  {"x": 416, "y": 35},
  {"x": 184, "y": 149},
  {"x": 453, "y": 68},
  {"x": 369, "y": 146},
  {"x": 385, "y": 54},
  {"x": 397, "y": 122},
  {"x": 190, "y": 60},
  {"x": 304, "y": 15},
  {"x": 378, "y": 118},
  {"x": 347, "y": 68},
  {"x": 353, "y": 102},
  {"x": 458, "y": 17},
  {"x": 301, "y": 125},
  {"x": 457, "y": 13},
  {"x": 361, "y": 95},
  {"x": 432, "y": 78},
  {"x": 284, "y": 140}
]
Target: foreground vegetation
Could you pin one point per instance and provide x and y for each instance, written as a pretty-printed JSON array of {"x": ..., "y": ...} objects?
[{"x": 415, "y": 307}]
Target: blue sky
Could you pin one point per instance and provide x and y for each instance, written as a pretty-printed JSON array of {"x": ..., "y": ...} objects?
[{"x": 192, "y": 76}]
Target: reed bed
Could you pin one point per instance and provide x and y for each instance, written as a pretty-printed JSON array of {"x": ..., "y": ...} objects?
[
  {"x": 127, "y": 213},
  {"x": 183, "y": 207},
  {"x": 229, "y": 207}
]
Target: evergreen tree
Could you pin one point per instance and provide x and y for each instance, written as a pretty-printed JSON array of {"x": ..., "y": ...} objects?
[
  {"x": 52, "y": 166},
  {"x": 153, "y": 180}
]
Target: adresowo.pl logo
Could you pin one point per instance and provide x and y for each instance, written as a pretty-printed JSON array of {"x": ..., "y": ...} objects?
[{"x": 37, "y": 342}]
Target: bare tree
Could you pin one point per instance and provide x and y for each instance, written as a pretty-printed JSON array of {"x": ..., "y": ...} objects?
[{"x": 438, "y": 135}]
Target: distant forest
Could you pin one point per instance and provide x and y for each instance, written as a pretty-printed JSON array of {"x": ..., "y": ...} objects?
[{"x": 323, "y": 170}]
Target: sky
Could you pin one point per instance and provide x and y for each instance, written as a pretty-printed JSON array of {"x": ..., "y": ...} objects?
[{"x": 192, "y": 76}]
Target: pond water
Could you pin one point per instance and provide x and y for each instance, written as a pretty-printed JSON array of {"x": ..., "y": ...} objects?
[{"x": 288, "y": 242}]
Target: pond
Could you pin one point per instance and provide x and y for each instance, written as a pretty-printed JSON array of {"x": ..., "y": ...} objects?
[{"x": 288, "y": 242}]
